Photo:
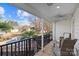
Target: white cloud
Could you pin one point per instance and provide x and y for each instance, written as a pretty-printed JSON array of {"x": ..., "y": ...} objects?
[
  {"x": 24, "y": 23},
  {"x": 25, "y": 13},
  {"x": 3, "y": 15},
  {"x": 19, "y": 13},
  {"x": 2, "y": 10},
  {"x": 21, "y": 17},
  {"x": 9, "y": 16},
  {"x": 22, "y": 13}
]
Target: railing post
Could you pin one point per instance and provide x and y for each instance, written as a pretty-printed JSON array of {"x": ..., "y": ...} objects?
[{"x": 42, "y": 30}]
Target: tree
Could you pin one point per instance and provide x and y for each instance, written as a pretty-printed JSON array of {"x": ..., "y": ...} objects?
[
  {"x": 6, "y": 25},
  {"x": 37, "y": 25},
  {"x": 29, "y": 34},
  {"x": 12, "y": 23}
]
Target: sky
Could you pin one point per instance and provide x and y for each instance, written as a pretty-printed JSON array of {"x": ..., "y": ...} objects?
[{"x": 9, "y": 12}]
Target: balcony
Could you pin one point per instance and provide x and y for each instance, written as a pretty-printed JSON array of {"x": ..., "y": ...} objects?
[{"x": 62, "y": 18}]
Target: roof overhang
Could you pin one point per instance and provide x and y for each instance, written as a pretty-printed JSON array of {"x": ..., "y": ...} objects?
[{"x": 49, "y": 11}]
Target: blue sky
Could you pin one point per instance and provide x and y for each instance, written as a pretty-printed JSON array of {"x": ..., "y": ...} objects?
[{"x": 9, "y": 12}]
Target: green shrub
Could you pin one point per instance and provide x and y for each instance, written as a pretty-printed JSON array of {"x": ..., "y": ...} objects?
[{"x": 29, "y": 34}]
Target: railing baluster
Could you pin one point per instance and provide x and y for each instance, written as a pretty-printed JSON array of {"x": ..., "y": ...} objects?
[
  {"x": 1, "y": 51},
  {"x": 32, "y": 46},
  {"x": 6, "y": 50},
  {"x": 26, "y": 48},
  {"x": 18, "y": 48},
  {"x": 29, "y": 47},
  {"x": 37, "y": 45},
  {"x": 21, "y": 48},
  {"x": 15, "y": 49},
  {"x": 11, "y": 50}
]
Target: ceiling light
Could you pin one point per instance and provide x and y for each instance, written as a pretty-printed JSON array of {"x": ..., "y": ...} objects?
[{"x": 58, "y": 6}]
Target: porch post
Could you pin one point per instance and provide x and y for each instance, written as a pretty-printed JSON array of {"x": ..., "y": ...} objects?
[
  {"x": 54, "y": 32},
  {"x": 72, "y": 28},
  {"x": 42, "y": 32}
]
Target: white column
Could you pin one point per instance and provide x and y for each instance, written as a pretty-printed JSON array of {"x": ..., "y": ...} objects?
[
  {"x": 72, "y": 28},
  {"x": 54, "y": 32},
  {"x": 42, "y": 32}
]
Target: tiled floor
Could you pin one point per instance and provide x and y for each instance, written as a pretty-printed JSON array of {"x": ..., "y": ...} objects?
[
  {"x": 56, "y": 50},
  {"x": 48, "y": 50}
]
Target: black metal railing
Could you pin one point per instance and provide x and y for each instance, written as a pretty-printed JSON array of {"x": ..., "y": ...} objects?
[{"x": 24, "y": 47}]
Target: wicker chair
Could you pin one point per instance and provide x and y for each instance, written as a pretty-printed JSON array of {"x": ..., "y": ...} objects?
[{"x": 67, "y": 48}]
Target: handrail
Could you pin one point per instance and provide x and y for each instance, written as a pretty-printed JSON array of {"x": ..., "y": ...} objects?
[
  {"x": 15, "y": 42},
  {"x": 24, "y": 47}
]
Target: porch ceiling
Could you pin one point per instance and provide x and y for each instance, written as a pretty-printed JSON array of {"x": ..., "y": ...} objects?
[{"x": 49, "y": 11}]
